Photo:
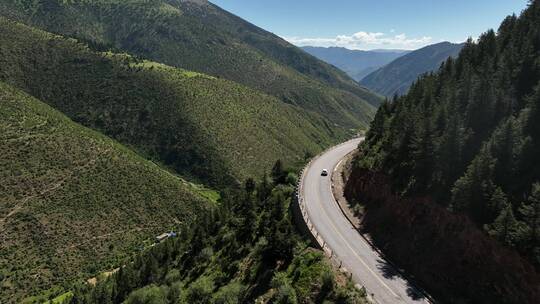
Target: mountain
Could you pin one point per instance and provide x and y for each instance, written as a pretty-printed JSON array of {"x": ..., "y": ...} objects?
[
  {"x": 105, "y": 104},
  {"x": 357, "y": 64},
  {"x": 74, "y": 201},
  {"x": 450, "y": 171},
  {"x": 199, "y": 36},
  {"x": 397, "y": 76},
  {"x": 91, "y": 142},
  {"x": 200, "y": 126}
]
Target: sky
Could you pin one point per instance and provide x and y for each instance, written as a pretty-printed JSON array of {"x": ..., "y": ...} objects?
[{"x": 374, "y": 24}]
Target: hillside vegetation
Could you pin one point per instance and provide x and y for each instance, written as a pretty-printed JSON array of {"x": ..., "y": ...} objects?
[
  {"x": 397, "y": 76},
  {"x": 199, "y": 36},
  {"x": 72, "y": 201},
  {"x": 203, "y": 127},
  {"x": 245, "y": 252},
  {"x": 464, "y": 144}
]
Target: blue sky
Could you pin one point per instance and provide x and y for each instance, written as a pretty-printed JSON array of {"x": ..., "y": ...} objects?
[{"x": 374, "y": 24}]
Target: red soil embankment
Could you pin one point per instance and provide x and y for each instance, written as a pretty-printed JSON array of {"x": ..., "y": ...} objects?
[{"x": 445, "y": 252}]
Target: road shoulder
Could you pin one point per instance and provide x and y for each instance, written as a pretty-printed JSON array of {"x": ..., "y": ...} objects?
[{"x": 339, "y": 176}]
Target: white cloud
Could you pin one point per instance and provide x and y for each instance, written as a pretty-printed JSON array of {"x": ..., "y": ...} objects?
[{"x": 365, "y": 41}]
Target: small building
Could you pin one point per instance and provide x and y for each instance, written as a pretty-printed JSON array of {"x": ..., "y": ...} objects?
[{"x": 161, "y": 237}]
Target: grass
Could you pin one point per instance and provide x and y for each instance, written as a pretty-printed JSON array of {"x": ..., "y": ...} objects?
[
  {"x": 205, "y": 128},
  {"x": 209, "y": 194},
  {"x": 63, "y": 298},
  {"x": 204, "y": 38},
  {"x": 72, "y": 198}
]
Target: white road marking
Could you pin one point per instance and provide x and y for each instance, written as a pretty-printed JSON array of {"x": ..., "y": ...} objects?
[
  {"x": 354, "y": 252},
  {"x": 337, "y": 166},
  {"x": 310, "y": 207}
]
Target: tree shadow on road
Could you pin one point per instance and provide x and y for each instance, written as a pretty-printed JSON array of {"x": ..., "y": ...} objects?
[
  {"x": 390, "y": 272},
  {"x": 413, "y": 293}
]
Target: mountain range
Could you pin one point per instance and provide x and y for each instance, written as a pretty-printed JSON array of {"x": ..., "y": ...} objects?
[
  {"x": 151, "y": 150},
  {"x": 387, "y": 72},
  {"x": 356, "y": 63},
  {"x": 118, "y": 117},
  {"x": 199, "y": 36},
  {"x": 396, "y": 77}
]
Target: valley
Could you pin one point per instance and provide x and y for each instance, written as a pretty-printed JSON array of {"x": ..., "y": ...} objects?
[{"x": 173, "y": 151}]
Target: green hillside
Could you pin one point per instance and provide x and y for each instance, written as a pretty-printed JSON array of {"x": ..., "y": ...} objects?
[
  {"x": 74, "y": 202},
  {"x": 461, "y": 153},
  {"x": 397, "y": 76},
  {"x": 203, "y": 127},
  {"x": 245, "y": 252},
  {"x": 199, "y": 36}
]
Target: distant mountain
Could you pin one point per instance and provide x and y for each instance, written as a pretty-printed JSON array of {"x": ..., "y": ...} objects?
[
  {"x": 357, "y": 64},
  {"x": 397, "y": 76},
  {"x": 200, "y": 36}
]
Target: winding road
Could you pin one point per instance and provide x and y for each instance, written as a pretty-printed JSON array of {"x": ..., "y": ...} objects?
[{"x": 346, "y": 244}]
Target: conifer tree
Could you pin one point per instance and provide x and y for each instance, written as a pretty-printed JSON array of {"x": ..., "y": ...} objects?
[
  {"x": 504, "y": 226},
  {"x": 531, "y": 213},
  {"x": 278, "y": 172},
  {"x": 473, "y": 190}
]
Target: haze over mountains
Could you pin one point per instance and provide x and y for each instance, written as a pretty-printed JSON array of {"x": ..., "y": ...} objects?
[
  {"x": 387, "y": 72},
  {"x": 358, "y": 64}
]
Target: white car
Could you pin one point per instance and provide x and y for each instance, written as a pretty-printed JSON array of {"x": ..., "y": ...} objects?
[{"x": 324, "y": 172}]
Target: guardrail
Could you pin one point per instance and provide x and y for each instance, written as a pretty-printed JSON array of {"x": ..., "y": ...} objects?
[
  {"x": 324, "y": 246},
  {"x": 332, "y": 256}
]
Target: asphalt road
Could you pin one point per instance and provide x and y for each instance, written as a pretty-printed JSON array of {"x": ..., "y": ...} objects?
[{"x": 368, "y": 268}]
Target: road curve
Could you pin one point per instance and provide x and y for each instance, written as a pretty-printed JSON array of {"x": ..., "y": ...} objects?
[{"x": 346, "y": 245}]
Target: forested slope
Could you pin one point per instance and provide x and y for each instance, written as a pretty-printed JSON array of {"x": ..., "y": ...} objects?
[
  {"x": 199, "y": 36},
  {"x": 245, "y": 252},
  {"x": 461, "y": 151},
  {"x": 397, "y": 76},
  {"x": 72, "y": 201},
  {"x": 203, "y": 127}
]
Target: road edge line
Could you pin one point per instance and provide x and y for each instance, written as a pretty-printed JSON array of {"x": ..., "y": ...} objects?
[{"x": 402, "y": 273}]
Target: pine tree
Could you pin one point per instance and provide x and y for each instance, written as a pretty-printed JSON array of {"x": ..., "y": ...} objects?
[
  {"x": 505, "y": 226},
  {"x": 278, "y": 172},
  {"x": 531, "y": 213},
  {"x": 422, "y": 150},
  {"x": 449, "y": 154},
  {"x": 472, "y": 192},
  {"x": 263, "y": 189},
  {"x": 503, "y": 147},
  {"x": 250, "y": 185}
]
